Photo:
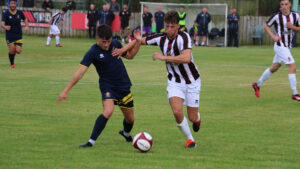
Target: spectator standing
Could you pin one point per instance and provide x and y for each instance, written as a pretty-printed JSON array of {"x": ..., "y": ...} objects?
[
  {"x": 182, "y": 16},
  {"x": 28, "y": 3},
  {"x": 106, "y": 16},
  {"x": 92, "y": 16},
  {"x": 47, "y": 5},
  {"x": 147, "y": 20},
  {"x": 114, "y": 6},
  {"x": 233, "y": 21},
  {"x": 203, "y": 19},
  {"x": 71, "y": 5},
  {"x": 159, "y": 20},
  {"x": 125, "y": 16}
]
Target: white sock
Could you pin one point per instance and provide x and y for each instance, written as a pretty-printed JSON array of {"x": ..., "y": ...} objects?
[
  {"x": 48, "y": 40},
  {"x": 198, "y": 116},
  {"x": 57, "y": 39},
  {"x": 185, "y": 129},
  {"x": 123, "y": 41},
  {"x": 267, "y": 73},
  {"x": 293, "y": 83},
  {"x": 202, "y": 43},
  {"x": 126, "y": 134},
  {"x": 92, "y": 141},
  {"x": 129, "y": 39},
  {"x": 196, "y": 44}
]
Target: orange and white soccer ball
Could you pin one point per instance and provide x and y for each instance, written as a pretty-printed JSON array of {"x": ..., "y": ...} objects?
[{"x": 142, "y": 142}]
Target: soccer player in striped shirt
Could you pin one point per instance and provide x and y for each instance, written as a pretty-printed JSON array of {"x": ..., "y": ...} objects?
[
  {"x": 54, "y": 30},
  {"x": 183, "y": 77},
  {"x": 285, "y": 22},
  {"x": 11, "y": 22}
]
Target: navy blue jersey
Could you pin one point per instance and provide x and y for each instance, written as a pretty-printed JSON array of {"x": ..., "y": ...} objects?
[
  {"x": 14, "y": 21},
  {"x": 111, "y": 70},
  {"x": 159, "y": 18}
]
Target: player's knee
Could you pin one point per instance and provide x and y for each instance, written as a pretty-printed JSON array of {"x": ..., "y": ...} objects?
[
  {"x": 18, "y": 51},
  {"x": 177, "y": 112},
  {"x": 130, "y": 119},
  {"x": 107, "y": 113}
]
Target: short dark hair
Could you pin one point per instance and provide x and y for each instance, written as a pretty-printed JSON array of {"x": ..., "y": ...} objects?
[
  {"x": 64, "y": 9},
  {"x": 285, "y": 0},
  {"x": 12, "y": 0},
  {"x": 172, "y": 17},
  {"x": 104, "y": 32}
]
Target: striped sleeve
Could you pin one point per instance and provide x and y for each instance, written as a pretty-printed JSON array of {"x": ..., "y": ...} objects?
[
  {"x": 186, "y": 40},
  {"x": 54, "y": 15},
  {"x": 272, "y": 20},
  {"x": 297, "y": 20},
  {"x": 154, "y": 39}
]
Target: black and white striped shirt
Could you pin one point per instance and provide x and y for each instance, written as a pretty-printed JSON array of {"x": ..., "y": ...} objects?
[
  {"x": 280, "y": 20},
  {"x": 184, "y": 73},
  {"x": 57, "y": 17}
]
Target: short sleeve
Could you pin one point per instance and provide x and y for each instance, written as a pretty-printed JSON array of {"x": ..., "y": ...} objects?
[
  {"x": 3, "y": 17},
  {"x": 272, "y": 20},
  {"x": 87, "y": 59},
  {"x": 154, "y": 39},
  {"x": 297, "y": 19},
  {"x": 186, "y": 41}
]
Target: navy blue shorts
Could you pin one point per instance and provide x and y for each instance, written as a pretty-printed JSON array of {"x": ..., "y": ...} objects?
[
  {"x": 202, "y": 32},
  {"x": 18, "y": 42},
  {"x": 121, "y": 97}
]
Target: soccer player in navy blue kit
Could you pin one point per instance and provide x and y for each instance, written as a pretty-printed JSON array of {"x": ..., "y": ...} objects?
[
  {"x": 114, "y": 81},
  {"x": 11, "y": 22}
]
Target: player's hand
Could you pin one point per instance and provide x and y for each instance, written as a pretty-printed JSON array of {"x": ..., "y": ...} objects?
[
  {"x": 26, "y": 28},
  {"x": 7, "y": 28},
  {"x": 289, "y": 25},
  {"x": 157, "y": 56},
  {"x": 117, "y": 52},
  {"x": 277, "y": 38},
  {"x": 137, "y": 35},
  {"x": 65, "y": 29},
  {"x": 62, "y": 96}
]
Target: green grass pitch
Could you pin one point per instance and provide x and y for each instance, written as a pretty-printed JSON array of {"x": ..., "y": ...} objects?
[{"x": 238, "y": 130}]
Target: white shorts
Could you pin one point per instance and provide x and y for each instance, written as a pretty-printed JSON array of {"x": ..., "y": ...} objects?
[
  {"x": 54, "y": 30},
  {"x": 282, "y": 55},
  {"x": 190, "y": 93}
]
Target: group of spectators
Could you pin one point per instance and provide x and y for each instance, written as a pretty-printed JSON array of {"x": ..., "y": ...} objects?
[
  {"x": 47, "y": 4},
  {"x": 107, "y": 15},
  {"x": 198, "y": 30}
]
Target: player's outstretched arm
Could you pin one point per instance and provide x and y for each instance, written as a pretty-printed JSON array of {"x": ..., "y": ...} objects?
[
  {"x": 132, "y": 48},
  {"x": 64, "y": 25},
  {"x": 78, "y": 75},
  {"x": 271, "y": 34},
  {"x": 184, "y": 57}
]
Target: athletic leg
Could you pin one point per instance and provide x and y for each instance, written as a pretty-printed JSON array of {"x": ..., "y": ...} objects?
[
  {"x": 100, "y": 123},
  {"x": 12, "y": 54},
  {"x": 176, "y": 105},
  {"x": 127, "y": 123}
]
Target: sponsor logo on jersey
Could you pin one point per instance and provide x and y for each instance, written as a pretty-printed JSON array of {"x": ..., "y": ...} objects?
[{"x": 101, "y": 56}]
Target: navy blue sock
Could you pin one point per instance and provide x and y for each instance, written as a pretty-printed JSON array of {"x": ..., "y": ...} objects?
[
  {"x": 98, "y": 127},
  {"x": 11, "y": 58},
  {"x": 127, "y": 126}
]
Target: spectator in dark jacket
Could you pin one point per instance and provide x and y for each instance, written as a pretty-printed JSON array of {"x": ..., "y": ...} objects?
[
  {"x": 203, "y": 19},
  {"x": 92, "y": 16},
  {"x": 47, "y": 5},
  {"x": 106, "y": 16},
  {"x": 114, "y": 6},
  {"x": 28, "y": 3},
  {"x": 233, "y": 22},
  {"x": 71, "y": 5}
]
